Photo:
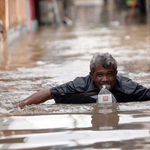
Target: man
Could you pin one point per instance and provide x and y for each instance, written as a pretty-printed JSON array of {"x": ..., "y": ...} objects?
[{"x": 103, "y": 71}]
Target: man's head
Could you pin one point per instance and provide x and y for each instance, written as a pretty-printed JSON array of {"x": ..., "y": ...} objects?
[{"x": 103, "y": 70}]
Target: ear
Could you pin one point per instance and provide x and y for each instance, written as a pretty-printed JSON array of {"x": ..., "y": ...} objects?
[
  {"x": 91, "y": 75},
  {"x": 116, "y": 72}
]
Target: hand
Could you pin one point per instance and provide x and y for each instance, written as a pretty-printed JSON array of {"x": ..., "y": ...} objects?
[{"x": 18, "y": 104}]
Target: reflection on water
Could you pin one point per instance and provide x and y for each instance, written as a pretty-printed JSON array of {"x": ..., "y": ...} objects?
[
  {"x": 76, "y": 130},
  {"x": 54, "y": 56}
]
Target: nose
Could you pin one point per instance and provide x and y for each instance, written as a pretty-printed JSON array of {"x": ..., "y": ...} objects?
[{"x": 104, "y": 79}]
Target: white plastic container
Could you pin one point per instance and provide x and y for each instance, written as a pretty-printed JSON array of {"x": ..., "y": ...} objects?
[{"x": 104, "y": 98}]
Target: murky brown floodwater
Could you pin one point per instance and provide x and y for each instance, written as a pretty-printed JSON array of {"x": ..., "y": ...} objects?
[{"x": 54, "y": 56}]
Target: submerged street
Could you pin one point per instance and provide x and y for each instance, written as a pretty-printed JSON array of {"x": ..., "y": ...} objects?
[{"x": 51, "y": 57}]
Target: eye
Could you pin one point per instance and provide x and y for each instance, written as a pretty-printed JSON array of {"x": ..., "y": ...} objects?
[
  {"x": 99, "y": 75},
  {"x": 109, "y": 74}
]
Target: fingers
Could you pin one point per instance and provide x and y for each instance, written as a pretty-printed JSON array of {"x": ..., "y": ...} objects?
[{"x": 18, "y": 104}]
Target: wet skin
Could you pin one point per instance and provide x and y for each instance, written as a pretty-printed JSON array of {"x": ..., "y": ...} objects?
[{"x": 104, "y": 76}]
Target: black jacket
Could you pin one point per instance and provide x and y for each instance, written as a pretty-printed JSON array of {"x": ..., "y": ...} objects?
[{"x": 83, "y": 90}]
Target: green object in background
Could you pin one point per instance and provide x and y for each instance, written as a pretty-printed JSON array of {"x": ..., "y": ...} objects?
[{"x": 129, "y": 2}]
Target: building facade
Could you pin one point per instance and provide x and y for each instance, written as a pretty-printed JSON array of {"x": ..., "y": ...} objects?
[{"x": 17, "y": 16}]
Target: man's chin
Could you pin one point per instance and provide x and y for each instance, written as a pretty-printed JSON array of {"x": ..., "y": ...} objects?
[{"x": 109, "y": 89}]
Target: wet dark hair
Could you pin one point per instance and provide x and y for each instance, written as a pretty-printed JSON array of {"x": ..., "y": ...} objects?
[{"x": 104, "y": 60}]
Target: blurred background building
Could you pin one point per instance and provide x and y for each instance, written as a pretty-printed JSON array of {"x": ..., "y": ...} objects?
[{"x": 22, "y": 16}]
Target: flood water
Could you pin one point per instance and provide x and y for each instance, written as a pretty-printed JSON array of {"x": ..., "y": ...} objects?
[{"x": 53, "y": 56}]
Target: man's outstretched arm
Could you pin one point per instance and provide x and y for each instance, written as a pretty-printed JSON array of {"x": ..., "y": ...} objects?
[{"x": 36, "y": 98}]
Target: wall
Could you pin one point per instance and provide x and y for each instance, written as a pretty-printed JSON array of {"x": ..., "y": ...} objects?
[{"x": 12, "y": 13}]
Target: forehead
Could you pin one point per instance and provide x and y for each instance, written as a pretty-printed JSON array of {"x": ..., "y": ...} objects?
[{"x": 102, "y": 69}]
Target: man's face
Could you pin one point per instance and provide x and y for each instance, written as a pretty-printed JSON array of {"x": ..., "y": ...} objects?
[{"x": 104, "y": 76}]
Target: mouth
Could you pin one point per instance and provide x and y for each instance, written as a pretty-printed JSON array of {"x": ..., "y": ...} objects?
[{"x": 106, "y": 86}]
